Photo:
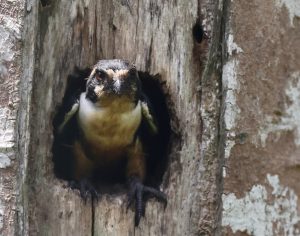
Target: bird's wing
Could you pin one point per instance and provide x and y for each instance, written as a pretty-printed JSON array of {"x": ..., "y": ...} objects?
[
  {"x": 70, "y": 104},
  {"x": 70, "y": 110},
  {"x": 148, "y": 116}
]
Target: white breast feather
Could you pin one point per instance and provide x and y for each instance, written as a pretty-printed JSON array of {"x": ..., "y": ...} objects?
[{"x": 109, "y": 129}]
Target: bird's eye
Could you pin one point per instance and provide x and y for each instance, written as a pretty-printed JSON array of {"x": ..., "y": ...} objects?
[{"x": 100, "y": 74}]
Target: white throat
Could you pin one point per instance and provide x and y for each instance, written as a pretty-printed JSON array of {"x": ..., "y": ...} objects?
[{"x": 106, "y": 126}]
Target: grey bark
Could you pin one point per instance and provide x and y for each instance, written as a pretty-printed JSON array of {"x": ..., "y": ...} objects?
[
  {"x": 157, "y": 37},
  {"x": 261, "y": 85},
  {"x": 10, "y": 69},
  {"x": 233, "y": 116}
]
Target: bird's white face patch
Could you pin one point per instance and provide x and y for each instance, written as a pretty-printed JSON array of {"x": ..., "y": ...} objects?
[
  {"x": 117, "y": 73},
  {"x": 99, "y": 90}
]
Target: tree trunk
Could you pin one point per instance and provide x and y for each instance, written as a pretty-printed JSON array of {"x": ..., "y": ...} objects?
[
  {"x": 233, "y": 101},
  {"x": 261, "y": 87}
]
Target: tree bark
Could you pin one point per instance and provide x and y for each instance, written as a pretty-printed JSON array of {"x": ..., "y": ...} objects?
[
  {"x": 10, "y": 71},
  {"x": 233, "y": 100},
  {"x": 157, "y": 37},
  {"x": 261, "y": 84}
]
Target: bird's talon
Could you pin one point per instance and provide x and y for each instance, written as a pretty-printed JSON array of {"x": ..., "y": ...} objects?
[
  {"x": 86, "y": 189},
  {"x": 136, "y": 192}
]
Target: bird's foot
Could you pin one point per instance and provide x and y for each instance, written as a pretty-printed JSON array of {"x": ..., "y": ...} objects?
[
  {"x": 136, "y": 191},
  {"x": 86, "y": 189}
]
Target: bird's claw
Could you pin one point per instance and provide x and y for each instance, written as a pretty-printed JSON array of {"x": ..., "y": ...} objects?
[
  {"x": 136, "y": 191},
  {"x": 86, "y": 189}
]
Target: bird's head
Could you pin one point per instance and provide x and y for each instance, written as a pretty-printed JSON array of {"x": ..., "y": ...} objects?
[{"x": 113, "y": 79}]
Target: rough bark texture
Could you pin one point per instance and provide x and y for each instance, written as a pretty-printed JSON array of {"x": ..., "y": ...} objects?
[
  {"x": 157, "y": 37},
  {"x": 233, "y": 99},
  {"x": 10, "y": 47},
  {"x": 261, "y": 83}
]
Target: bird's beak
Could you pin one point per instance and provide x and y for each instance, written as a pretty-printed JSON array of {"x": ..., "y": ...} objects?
[{"x": 117, "y": 86}]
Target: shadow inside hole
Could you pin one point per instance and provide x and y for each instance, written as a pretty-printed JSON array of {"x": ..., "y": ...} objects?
[
  {"x": 112, "y": 179},
  {"x": 198, "y": 32},
  {"x": 45, "y": 3},
  {"x": 158, "y": 146}
]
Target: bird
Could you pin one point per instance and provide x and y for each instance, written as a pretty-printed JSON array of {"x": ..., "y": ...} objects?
[{"x": 104, "y": 128}]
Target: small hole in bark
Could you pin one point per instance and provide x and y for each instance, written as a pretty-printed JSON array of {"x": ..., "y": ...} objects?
[
  {"x": 198, "y": 32},
  {"x": 45, "y": 3},
  {"x": 113, "y": 180}
]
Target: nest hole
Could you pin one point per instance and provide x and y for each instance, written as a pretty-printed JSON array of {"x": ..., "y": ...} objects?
[{"x": 112, "y": 180}]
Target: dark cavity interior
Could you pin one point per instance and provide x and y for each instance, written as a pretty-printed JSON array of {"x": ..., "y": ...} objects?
[
  {"x": 45, "y": 3},
  {"x": 198, "y": 32},
  {"x": 112, "y": 179}
]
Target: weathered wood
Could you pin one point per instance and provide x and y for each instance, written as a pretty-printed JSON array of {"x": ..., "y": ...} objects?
[
  {"x": 231, "y": 95},
  {"x": 157, "y": 37},
  {"x": 10, "y": 70},
  {"x": 261, "y": 85}
]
